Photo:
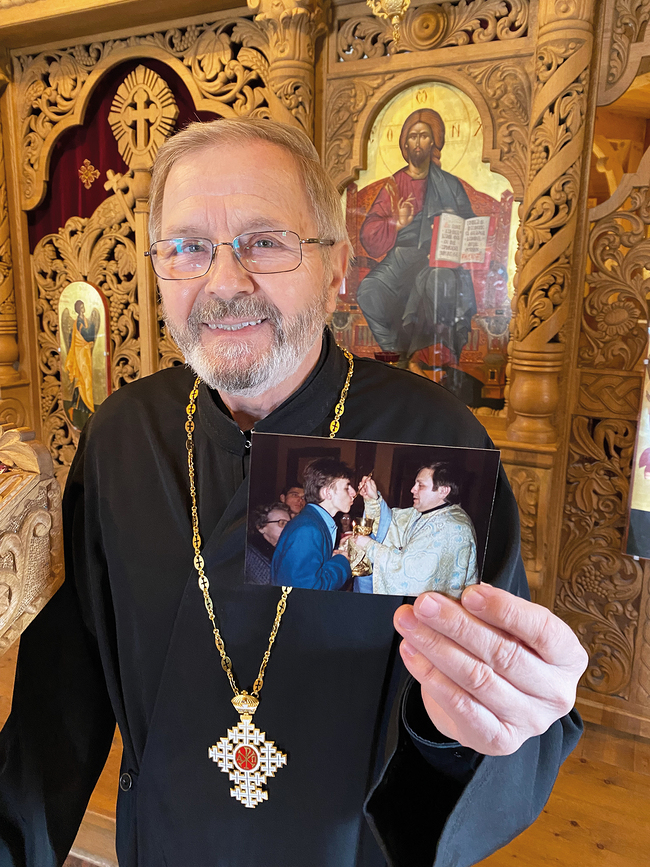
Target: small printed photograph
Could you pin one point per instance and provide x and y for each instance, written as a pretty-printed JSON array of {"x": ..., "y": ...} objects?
[{"x": 368, "y": 517}]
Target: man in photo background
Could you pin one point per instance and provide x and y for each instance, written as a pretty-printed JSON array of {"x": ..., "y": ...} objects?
[
  {"x": 294, "y": 497},
  {"x": 429, "y": 546},
  {"x": 305, "y": 555}
]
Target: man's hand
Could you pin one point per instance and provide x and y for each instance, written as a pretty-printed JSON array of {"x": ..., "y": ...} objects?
[
  {"x": 362, "y": 541},
  {"x": 367, "y": 488},
  {"x": 494, "y": 669},
  {"x": 405, "y": 211}
]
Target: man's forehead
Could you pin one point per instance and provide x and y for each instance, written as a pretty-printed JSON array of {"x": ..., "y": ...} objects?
[
  {"x": 425, "y": 475},
  {"x": 249, "y": 186},
  {"x": 299, "y": 491},
  {"x": 259, "y": 160}
]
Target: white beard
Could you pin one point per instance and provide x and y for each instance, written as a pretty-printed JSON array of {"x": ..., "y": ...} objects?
[{"x": 235, "y": 368}]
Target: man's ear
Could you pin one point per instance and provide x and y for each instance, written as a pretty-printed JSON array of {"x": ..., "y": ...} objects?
[
  {"x": 444, "y": 491},
  {"x": 339, "y": 260}
]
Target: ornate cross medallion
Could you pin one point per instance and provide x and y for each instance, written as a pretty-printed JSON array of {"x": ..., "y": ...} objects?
[{"x": 248, "y": 759}]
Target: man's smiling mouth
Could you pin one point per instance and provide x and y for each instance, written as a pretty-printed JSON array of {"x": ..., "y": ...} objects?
[{"x": 213, "y": 326}]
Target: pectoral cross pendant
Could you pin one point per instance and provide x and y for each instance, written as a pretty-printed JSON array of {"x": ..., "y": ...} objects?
[{"x": 247, "y": 757}]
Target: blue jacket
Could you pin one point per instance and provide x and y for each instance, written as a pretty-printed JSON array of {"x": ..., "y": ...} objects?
[{"x": 303, "y": 555}]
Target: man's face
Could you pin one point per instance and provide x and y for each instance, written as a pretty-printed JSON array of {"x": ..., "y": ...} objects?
[
  {"x": 419, "y": 144},
  {"x": 341, "y": 495},
  {"x": 276, "y": 521},
  {"x": 424, "y": 497},
  {"x": 245, "y": 333},
  {"x": 295, "y": 499}
]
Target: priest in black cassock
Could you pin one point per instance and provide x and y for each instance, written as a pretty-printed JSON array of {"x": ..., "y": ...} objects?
[{"x": 367, "y": 749}]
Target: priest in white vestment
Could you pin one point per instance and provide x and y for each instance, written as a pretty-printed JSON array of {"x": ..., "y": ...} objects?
[{"x": 429, "y": 546}]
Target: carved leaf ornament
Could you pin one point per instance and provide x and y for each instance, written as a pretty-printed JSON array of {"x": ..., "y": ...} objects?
[
  {"x": 630, "y": 16},
  {"x": 546, "y": 234},
  {"x": 15, "y": 453},
  {"x": 600, "y": 588},
  {"x": 434, "y": 25},
  {"x": 614, "y": 327}
]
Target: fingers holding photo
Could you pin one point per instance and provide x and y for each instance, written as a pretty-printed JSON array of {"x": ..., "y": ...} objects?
[{"x": 476, "y": 672}]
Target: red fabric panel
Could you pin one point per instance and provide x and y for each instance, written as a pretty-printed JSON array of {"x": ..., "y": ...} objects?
[{"x": 66, "y": 195}]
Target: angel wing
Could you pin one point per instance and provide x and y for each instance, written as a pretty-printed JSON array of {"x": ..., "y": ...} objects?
[
  {"x": 95, "y": 322},
  {"x": 67, "y": 325}
]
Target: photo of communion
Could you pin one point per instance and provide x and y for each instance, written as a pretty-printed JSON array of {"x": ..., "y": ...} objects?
[{"x": 368, "y": 517}]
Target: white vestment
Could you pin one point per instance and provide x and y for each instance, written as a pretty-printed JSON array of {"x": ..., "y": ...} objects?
[{"x": 423, "y": 551}]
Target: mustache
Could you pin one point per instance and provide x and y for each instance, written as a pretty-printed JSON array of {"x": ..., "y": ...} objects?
[{"x": 245, "y": 307}]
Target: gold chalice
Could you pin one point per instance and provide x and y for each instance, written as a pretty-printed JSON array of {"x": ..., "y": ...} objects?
[{"x": 359, "y": 563}]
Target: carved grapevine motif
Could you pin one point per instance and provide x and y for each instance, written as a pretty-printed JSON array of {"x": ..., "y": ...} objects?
[
  {"x": 614, "y": 324},
  {"x": 100, "y": 250},
  {"x": 599, "y": 587},
  {"x": 434, "y": 25}
]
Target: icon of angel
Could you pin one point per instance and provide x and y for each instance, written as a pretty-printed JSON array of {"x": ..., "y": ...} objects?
[{"x": 79, "y": 334}]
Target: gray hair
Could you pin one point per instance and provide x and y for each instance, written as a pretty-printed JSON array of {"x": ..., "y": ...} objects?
[{"x": 321, "y": 192}]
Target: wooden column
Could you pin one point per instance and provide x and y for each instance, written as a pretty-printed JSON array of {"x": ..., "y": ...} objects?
[{"x": 547, "y": 266}]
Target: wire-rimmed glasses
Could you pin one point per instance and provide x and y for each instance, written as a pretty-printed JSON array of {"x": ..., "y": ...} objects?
[{"x": 272, "y": 252}]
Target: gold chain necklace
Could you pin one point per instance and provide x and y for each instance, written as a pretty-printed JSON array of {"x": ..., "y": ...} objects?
[{"x": 244, "y": 754}]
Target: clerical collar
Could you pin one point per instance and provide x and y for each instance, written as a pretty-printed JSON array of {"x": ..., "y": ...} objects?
[
  {"x": 301, "y": 413},
  {"x": 435, "y": 508}
]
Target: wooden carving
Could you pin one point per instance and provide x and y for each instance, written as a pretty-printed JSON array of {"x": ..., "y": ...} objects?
[
  {"x": 526, "y": 488},
  {"x": 99, "y": 250},
  {"x": 347, "y": 100},
  {"x": 507, "y": 90},
  {"x": 641, "y": 692},
  {"x": 600, "y": 588},
  {"x": 8, "y": 322},
  {"x": 142, "y": 116},
  {"x": 234, "y": 67},
  {"x": 625, "y": 42},
  {"x": 614, "y": 327},
  {"x": 549, "y": 218},
  {"x": 433, "y": 25},
  {"x": 31, "y": 555}
]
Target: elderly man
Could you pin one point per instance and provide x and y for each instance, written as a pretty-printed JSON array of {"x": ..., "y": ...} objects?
[
  {"x": 250, "y": 249},
  {"x": 306, "y": 556},
  {"x": 429, "y": 546}
]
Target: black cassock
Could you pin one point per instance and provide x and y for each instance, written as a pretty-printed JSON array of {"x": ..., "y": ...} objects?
[{"x": 127, "y": 638}]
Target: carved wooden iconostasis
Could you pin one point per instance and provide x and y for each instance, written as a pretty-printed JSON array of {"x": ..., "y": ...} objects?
[{"x": 554, "y": 95}]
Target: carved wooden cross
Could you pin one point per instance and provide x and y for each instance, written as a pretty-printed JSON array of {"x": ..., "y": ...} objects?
[{"x": 144, "y": 113}]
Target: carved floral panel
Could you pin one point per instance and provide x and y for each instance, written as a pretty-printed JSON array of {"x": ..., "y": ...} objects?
[
  {"x": 433, "y": 25},
  {"x": 101, "y": 251}
]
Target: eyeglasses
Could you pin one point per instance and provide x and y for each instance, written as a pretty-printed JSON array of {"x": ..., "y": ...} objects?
[
  {"x": 270, "y": 252},
  {"x": 281, "y": 522}
]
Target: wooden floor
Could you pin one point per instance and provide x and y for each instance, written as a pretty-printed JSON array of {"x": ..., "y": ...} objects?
[{"x": 597, "y": 816}]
